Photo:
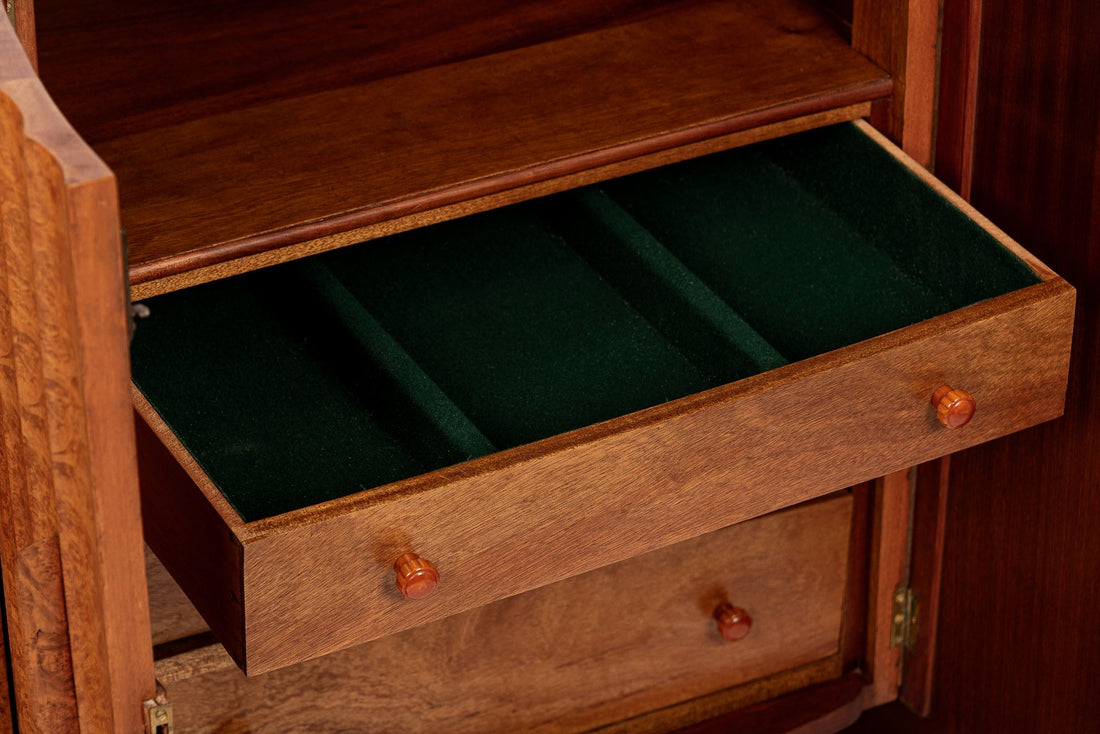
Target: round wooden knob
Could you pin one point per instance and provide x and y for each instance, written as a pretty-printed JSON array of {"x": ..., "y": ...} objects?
[
  {"x": 416, "y": 576},
  {"x": 733, "y": 622},
  {"x": 954, "y": 407}
]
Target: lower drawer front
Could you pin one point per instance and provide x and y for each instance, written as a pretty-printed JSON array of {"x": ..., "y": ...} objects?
[{"x": 597, "y": 648}]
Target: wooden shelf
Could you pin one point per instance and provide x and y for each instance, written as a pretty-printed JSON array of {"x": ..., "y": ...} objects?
[{"x": 247, "y": 133}]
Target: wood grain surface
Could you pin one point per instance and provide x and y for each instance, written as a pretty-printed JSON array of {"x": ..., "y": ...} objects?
[
  {"x": 586, "y": 652},
  {"x": 37, "y": 624},
  {"x": 958, "y": 93},
  {"x": 25, "y": 28},
  {"x": 614, "y": 490},
  {"x": 203, "y": 191},
  {"x": 253, "y": 52},
  {"x": 71, "y": 543}
]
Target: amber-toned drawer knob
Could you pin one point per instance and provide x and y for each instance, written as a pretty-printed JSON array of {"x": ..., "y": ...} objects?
[
  {"x": 734, "y": 623},
  {"x": 954, "y": 407},
  {"x": 416, "y": 576}
]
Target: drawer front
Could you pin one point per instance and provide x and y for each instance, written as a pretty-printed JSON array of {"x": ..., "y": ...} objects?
[
  {"x": 314, "y": 580},
  {"x": 602, "y": 647}
]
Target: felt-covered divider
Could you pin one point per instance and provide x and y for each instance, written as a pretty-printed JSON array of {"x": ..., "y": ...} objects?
[
  {"x": 514, "y": 326},
  {"x": 288, "y": 394},
  {"x": 673, "y": 298},
  {"x": 418, "y": 411}
]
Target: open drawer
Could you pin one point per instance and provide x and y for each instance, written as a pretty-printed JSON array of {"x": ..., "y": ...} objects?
[{"x": 535, "y": 392}]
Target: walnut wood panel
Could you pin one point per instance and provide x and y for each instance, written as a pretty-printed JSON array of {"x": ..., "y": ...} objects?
[
  {"x": 71, "y": 532},
  {"x": 958, "y": 93},
  {"x": 336, "y": 160},
  {"x": 1022, "y": 512},
  {"x": 253, "y": 52},
  {"x": 589, "y": 651},
  {"x": 575, "y": 502}
]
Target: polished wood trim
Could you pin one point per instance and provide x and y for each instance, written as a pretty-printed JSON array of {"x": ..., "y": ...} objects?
[
  {"x": 925, "y": 579},
  {"x": 958, "y": 94},
  {"x": 25, "y": 30},
  {"x": 157, "y": 284},
  {"x": 889, "y": 567},
  {"x": 69, "y": 361},
  {"x": 902, "y": 37}
]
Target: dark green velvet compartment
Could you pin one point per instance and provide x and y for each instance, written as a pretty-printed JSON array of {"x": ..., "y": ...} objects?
[{"x": 325, "y": 377}]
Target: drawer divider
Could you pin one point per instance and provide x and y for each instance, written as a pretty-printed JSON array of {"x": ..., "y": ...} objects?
[
  {"x": 704, "y": 327},
  {"x": 430, "y": 413}
]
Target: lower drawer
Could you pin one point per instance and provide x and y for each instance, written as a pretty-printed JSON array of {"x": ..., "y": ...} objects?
[{"x": 598, "y": 648}]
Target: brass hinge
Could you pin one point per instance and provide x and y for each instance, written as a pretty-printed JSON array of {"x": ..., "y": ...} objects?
[
  {"x": 903, "y": 631},
  {"x": 158, "y": 713}
]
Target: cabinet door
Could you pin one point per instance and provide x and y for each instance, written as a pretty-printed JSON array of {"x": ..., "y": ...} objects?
[{"x": 70, "y": 532}]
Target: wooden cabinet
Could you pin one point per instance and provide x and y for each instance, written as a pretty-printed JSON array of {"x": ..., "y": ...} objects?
[{"x": 265, "y": 137}]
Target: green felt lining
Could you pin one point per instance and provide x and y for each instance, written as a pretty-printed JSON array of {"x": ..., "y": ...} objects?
[
  {"x": 654, "y": 281},
  {"x": 317, "y": 379}
]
